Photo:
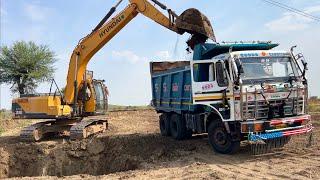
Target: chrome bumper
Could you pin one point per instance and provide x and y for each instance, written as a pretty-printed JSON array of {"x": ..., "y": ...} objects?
[{"x": 283, "y": 132}]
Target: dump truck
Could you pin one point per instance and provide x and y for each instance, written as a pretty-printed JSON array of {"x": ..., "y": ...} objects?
[{"x": 234, "y": 92}]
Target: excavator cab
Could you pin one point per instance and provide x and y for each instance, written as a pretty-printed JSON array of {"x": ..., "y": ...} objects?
[
  {"x": 93, "y": 96},
  {"x": 101, "y": 97}
]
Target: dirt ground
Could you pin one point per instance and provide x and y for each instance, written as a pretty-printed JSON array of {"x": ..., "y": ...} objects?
[{"x": 132, "y": 148}]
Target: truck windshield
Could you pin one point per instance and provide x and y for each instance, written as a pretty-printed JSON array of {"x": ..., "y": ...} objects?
[{"x": 274, "y": 68}]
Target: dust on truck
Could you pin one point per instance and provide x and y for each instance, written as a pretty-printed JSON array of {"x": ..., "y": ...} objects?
[{"x": 234, "y": 92}]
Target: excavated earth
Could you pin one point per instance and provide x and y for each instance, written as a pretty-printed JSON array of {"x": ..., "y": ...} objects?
[{"x": 132, "y": 148}]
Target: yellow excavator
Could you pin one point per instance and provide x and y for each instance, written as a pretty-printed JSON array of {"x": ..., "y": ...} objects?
[{"x": 75, "y": 111}]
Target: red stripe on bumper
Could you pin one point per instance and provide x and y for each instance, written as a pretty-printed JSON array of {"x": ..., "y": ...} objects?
[
  {"x": 298, "y": 131},
  {"x": 290, "y": 120}
]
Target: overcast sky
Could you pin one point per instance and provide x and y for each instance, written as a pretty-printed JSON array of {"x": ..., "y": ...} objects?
[{"x": 123, "y": 62}]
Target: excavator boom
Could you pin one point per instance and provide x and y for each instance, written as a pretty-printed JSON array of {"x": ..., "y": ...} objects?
[{"x": 105, "y": 31}]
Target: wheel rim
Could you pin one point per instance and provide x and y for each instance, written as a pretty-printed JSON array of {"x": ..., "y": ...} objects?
[{"x": 220, "y": 137}]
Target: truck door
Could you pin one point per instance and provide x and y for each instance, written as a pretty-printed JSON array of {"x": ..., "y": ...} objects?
[{"x": 209, "y": 81}]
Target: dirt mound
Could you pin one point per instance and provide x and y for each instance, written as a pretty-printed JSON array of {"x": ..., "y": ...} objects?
[
  {"x": 96, "y": 156},
  {"x": 108, "y": 153},
  {"x": 10, "y": 126}
]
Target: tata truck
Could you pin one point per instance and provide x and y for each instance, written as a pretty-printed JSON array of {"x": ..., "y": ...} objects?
[{"x": 234, "y": 92}]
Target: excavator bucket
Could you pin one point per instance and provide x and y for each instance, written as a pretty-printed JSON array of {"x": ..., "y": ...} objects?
[{"x": 194, "y": 22}]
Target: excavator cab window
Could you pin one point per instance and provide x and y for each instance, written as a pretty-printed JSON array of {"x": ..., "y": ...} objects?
[
  {"x": 86, "y": 93},
  {"x": 101, "y": 97}
]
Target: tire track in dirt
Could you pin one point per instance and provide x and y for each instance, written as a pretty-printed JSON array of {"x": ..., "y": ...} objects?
[
  {"x": 290, "y": 166},
  {"x": 236, "y": 169},
  {"x": 293, "y": 163},
  {"x": 277, "y": 166}
]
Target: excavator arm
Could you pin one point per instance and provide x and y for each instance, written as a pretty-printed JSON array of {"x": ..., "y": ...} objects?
[{"x": 105, "y": 31}]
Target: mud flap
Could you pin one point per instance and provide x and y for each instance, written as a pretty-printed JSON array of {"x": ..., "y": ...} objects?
[{"x": 266, "y": 146}]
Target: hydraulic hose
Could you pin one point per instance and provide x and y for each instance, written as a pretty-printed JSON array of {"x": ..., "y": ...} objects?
[{"x": 106, "y": 17}]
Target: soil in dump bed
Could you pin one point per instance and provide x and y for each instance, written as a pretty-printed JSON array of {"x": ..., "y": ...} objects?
[{"x": 133, "y": 143}]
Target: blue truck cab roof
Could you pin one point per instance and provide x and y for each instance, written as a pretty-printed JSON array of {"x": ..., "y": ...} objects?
[{"x": 210, "y": 50}]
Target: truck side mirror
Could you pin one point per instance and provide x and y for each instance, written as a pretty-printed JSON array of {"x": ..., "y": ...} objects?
[
  {"x": 305, "y": 69},
  {"x": 305, "y": 64},
  {"x": 240, "y": 70},
  {"x": 239, "y": 66}
]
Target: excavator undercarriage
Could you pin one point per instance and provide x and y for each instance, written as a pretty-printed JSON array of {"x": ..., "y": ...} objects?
[{"x": 75, "y": 129}]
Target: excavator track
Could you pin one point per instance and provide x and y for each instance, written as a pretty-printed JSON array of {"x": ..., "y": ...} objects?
[
  {"x": 86, "y": 128},
  {"x": 77, "y": 130},
  {"x": 33, "y": 132}
]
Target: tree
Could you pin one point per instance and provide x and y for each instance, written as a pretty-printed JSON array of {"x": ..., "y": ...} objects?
[{"x": 24, "y": 65}]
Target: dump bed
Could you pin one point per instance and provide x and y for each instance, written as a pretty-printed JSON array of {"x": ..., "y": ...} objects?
[{"x": 171, "y": 86}]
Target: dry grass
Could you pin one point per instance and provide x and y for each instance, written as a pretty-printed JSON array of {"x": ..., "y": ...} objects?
[
  {"x": 5, "y": 114},
  {"x": 127, "y": 108},
  {"x": 314, "y": 107},
  {"x": 1, "y": 130}
]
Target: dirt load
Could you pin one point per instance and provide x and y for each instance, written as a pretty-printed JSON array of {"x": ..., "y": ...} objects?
[{"x": 133, "y": 148}]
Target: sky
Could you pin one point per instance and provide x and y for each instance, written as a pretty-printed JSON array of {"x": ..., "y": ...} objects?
[{"x": 124, "y": 61}]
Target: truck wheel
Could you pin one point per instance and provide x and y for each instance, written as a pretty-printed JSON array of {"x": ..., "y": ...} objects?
[
  {"x": 177, "y": 127},
  {"x": 220, "y": 140},
  {"x": 164, "y": 124}
]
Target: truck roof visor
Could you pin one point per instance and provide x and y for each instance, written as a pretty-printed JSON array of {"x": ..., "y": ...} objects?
[{"x": 195, "y": 23}]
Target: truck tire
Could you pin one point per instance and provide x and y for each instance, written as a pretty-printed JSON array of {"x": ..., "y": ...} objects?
[
  {"x": 188, "y": 134},
  {"x": 177, "y": 127},
  {"x": 220, "y": 140},
  {"x": 164, "y": 124}
]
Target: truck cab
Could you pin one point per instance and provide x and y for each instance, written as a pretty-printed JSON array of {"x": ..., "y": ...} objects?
[{"x": 265, "y": 77}]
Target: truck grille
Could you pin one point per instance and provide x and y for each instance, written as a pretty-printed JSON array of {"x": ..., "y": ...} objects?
[{"x": 260, "y": 109}]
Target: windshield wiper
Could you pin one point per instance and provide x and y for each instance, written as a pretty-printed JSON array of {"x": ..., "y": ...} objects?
[
  {"x": 259, "y": 81},
  {"x": 268, "y": 80}
]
